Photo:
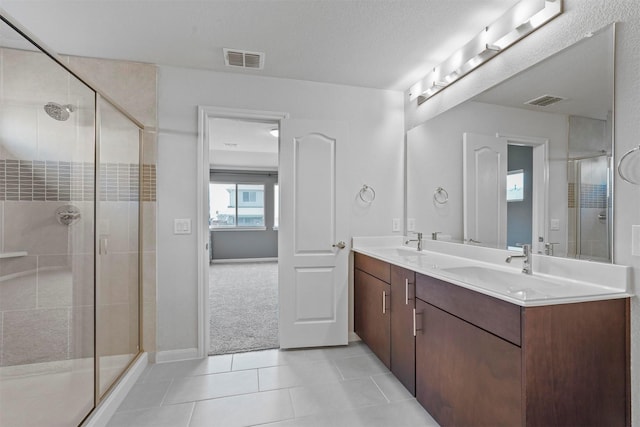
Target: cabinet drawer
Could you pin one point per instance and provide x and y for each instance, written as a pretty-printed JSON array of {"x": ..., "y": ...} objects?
[
  {"x": 491, "y": 314},
  {"x": 374, "y": 267}
]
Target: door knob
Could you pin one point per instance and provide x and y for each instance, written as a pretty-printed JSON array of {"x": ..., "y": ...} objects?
[{"x": 340, "y": 245}]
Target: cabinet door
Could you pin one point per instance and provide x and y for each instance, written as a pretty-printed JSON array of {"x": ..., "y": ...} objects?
[
  {"x": 465, "y": 376},
  {"x": 403, "y": 345},
  {"x": 372, "y": 314}
]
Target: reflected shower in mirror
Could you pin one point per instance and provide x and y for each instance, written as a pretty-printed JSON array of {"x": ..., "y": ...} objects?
[{"x": 525, "y": 162}]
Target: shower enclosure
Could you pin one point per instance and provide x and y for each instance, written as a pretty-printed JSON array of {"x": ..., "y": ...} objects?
[
  {"x": 590, "y": 207},
  {"x": 69, "y": 239},
  {"x": 590, "y": 179}
]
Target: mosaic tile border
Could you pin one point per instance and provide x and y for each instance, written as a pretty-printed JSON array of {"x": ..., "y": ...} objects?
[
  {"x": 591, "y": 196},
  {"x": 38, "y": 180}
]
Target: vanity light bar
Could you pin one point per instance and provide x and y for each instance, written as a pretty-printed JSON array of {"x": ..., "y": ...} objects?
[{"x": 516, "y": 23}]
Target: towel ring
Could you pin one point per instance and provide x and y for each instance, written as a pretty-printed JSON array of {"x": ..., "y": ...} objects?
[
  {"x": 367, "y": 194},
  {"x": 633, "y": 150},
  {"x": 440, "y": 196}
]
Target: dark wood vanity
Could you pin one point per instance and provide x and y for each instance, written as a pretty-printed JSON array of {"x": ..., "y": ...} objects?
[{"x": 476, "y": 360}]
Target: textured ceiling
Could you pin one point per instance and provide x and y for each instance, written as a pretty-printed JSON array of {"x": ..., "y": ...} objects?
[{"x": 387, "y": 44}]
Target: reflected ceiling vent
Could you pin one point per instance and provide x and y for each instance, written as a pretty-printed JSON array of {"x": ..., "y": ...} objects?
[
  {"x": 243, "y": 59},
  {"x": 545, "y": 100}
]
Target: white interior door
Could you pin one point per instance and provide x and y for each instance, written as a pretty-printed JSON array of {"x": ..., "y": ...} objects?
[
  {"x": 485, "y": 194},
  {"x": 313, "y": 277}
]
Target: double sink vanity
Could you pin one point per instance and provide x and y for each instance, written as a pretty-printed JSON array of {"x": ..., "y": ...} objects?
[{"x": 480, "y": 343}]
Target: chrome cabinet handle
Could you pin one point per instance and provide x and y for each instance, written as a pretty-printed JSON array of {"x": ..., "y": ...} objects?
[
  {"x": 384, "y": 302},
  {"x": 406, "y": 291},
  {"x": 415, "y": 323},
  {"x": 339, "y": 245}
]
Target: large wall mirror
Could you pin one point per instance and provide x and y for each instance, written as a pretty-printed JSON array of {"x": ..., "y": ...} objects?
[{"x": 528, "y": 161}]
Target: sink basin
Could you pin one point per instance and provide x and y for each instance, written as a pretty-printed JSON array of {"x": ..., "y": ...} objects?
[
  {"x": 402, "y": 252},
  {"x": 423, "y": 259},
  {"x": 521, "y": 286}
]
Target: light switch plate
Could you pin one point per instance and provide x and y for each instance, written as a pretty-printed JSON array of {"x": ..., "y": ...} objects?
[
  {"x": 395, "y": 224},
  {"x": 555, "y": 225},
  {"x": 635, "y": 240},
  {"x": 411, "y": 224},
  {"x": 182, "y": 226}
]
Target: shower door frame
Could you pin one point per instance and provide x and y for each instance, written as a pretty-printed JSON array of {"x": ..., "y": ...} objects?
[{"x": 98, "y": 396}]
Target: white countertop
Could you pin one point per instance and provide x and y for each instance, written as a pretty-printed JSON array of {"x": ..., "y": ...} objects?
[{"x": 554, "y": 280}]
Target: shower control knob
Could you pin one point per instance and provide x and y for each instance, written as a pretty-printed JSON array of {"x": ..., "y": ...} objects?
[{"x": 340, "y": 245}]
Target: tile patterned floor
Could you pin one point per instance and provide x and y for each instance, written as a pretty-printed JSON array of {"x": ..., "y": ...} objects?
[{"x": 341, "y": 386}]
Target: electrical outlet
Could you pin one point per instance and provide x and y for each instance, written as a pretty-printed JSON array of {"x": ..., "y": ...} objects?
[
  {"x": 411, "y": 224},
  {"x": 182, "y": 226},
  {"x": 555, "y": 225},
  {"x": 395, "y": 224}
]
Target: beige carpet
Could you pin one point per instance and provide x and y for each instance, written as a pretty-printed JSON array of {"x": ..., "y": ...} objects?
[{"x": 244, "y": 307}]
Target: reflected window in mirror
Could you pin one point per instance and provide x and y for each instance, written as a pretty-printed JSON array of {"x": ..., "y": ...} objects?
[{"x": 515, "y": 186}]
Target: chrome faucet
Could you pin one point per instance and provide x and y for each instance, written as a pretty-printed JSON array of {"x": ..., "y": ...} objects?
[
  {"x": 526, "y": 259},
  {"x": 419, "y": 240}
]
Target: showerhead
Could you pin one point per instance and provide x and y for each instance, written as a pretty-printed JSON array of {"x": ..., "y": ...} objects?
[{"x": 57, "y": 111}]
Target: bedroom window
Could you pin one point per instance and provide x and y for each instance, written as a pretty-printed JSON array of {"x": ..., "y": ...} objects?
[{"x": 234, "y": 205}]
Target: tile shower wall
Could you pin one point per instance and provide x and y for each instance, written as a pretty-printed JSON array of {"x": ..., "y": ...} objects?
[
  {"x": 41, "y": 292},
  {"x": 37, "y": 291},
  {"x": 46, "y": 306},
  {"x": 46, "y": 273}
]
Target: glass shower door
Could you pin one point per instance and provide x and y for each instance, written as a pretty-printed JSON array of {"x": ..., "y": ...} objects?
[
  {"x": 117, "y": 246},
  {"x": 591, "y": 208},
  {"x": 47, "y": 164}
]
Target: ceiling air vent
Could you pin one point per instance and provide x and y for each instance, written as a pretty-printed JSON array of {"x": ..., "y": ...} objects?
[
  {"x": 545, "y": 100},
  {"x": 243, "y": 59}
]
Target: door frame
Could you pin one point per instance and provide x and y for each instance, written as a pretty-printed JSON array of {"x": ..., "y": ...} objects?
[
  {"x": 202, "y": 216},
  {"x": 540, "y": 185}
]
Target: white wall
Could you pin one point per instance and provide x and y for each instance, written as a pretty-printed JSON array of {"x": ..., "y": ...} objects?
[
  {"x": 434, "y": 159},
  {"x": 375, "y": 156},
  {"x": 579, "y": 18}
]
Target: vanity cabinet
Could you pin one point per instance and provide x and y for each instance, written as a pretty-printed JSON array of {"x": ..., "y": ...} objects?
[
  {"x": 484, "y": 361},
  {"x": 477, "y": 360}
]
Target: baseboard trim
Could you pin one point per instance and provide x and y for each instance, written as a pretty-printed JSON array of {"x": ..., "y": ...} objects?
[
  {"x": 241, "y": 260},
  {"x": 177, "y": 355},
  {"x": 102, "y": 414},
  {"x": 353, "y": 337}
]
